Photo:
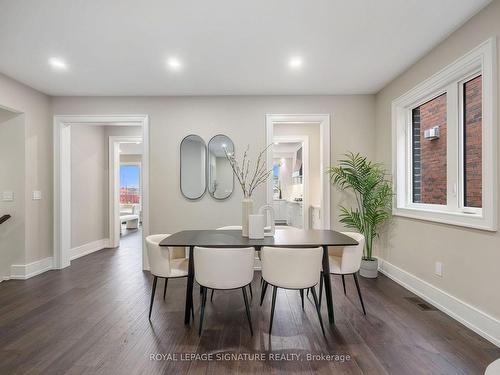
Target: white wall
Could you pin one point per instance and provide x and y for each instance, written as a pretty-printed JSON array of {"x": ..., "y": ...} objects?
[
  {"x": 36, "y": 110},
  {"x": 240, "y": 118},
  {"x": 470, "y": 257},
  {"x": 89, "y": 185},
  {"x": 130, "y": 158},
  {"x": 12, "y": 232}
]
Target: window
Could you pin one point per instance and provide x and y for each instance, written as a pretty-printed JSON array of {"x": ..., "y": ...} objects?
[
  {"x": 472, "y": 148},
  {"x": 130, "y": 184},
  {"x": 444, "y": 144},
  {"x": 429, "y": 153}
]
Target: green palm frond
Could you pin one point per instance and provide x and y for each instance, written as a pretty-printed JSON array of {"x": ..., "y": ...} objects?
[{"x": 372, "y": 190}]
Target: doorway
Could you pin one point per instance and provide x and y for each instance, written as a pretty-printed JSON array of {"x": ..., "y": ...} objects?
[
  {"x": 290, "y": 178},
  {"x": 126, "y": 186},
  {"x": 62, "y": 180},
  {"x": 12, "y": 191},
  {"x": 305, "y": 139}
]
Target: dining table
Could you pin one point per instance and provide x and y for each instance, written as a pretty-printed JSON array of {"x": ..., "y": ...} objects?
[{"x": 296, "y": 238}]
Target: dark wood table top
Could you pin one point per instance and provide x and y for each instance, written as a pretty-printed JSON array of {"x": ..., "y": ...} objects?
[{"x": 283, "y": 238}]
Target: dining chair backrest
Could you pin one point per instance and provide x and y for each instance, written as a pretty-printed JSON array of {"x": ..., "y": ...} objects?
[
  {"x": 352, "y": 255},
  {"x": 291, "y": 268},
  {"x": 221, "y": 268},
  {"x": 158, "y": 256},
  {"x": 230, "y": 227}
]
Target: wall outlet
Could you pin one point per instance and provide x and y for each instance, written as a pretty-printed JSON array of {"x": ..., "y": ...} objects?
[
  {"x": 438, "y": 269},
  {"x": 8, "y": 196},
  {"x": 36, "y": 195}
]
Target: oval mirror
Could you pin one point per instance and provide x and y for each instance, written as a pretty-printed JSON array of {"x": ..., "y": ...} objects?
[
  {"x": 220, "y": 173},
  {"x": 193, "y": 167}
]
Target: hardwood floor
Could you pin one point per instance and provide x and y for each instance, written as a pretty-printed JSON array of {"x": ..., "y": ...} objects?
[{"x": 92, "y": 318}]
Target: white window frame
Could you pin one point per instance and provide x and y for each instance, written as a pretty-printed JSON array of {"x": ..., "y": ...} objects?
[{"x": 481, "y": 60}]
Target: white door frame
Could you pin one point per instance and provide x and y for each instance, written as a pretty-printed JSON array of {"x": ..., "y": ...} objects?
[
  {"x": 323, "y": 121},
  {"x": 114, "y": 186},
  {"x": 62, "y": 176},
  {"x": 304, "y": 140}
]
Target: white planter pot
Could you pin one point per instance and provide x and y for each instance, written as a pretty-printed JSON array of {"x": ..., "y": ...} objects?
[
  {"x": 246, "y": 210},
  {"x": 369, "y": 268}
]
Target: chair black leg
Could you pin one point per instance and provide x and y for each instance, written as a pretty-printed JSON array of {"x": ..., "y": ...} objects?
[
  {"x": 359, "y": 292},
  {"x": 165, "y": 288},
  {"x": 275, "y": 289},
  {"x": 308, "y": 292},
  {"x": 263, "y": 292},
  {"x": 318, "y": 310},
  {"x": 152, "y": 295},
  {"x": 302, "y": 297},
  {"x": 251, "y": 291},
  {"x": 211, "y": 295},
  {"x": 245, "y": 298},
  {"x": 320, "y": 288},
  {"x": 343, "y": 283},
  {"x": 202, "y": 310}
]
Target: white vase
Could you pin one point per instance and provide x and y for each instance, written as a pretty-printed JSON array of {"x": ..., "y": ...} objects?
[
  {"x": 255, "y": 227},
  {"x": 246, "y": 210}
]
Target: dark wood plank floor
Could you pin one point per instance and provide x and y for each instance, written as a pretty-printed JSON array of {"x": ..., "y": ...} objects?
[{"x": 92, "y": 318}]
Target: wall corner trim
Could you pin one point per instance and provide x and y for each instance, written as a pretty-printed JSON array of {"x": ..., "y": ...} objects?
[
  {"x": 25, "y": 271},
  {"x": 478, "y": 321},
  {"x": 88, "y": 248}
]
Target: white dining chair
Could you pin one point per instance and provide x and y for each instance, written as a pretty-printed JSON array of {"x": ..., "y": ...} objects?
[
  {"x": 344, "y": 261},
  {"x": 256, "y": 260},
  {"x": 493, "y": 368},
  {"x": 291, "y": 269},
  {"x": 164, "y": 263},
  {"x": 223, "y": 269}
]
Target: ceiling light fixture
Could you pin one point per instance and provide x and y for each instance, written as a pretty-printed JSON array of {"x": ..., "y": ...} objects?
[
  {"x": 295, "y": 62},
  {"x": 174, "y": 63},
  {"x": 57, "y": 63}
]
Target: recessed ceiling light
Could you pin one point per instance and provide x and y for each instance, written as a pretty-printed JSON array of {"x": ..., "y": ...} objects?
[
  {"x": 276, "y": 143},
  {"x": 57, "y": 63},
  {"x": 295, "y": 62},
  {"x": 174, "y": 63}
]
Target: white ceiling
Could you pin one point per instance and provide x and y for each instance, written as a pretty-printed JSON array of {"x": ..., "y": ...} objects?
[{"x": 227, "y": 47}]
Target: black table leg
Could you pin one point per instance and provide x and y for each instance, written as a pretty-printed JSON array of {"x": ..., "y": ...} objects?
[
  {"x": 328, "y": 285},
  {"x": 189, "y": 289}
]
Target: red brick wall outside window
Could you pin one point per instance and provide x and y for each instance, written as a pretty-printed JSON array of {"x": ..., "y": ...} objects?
[
  {"x": 473, "y": 142},
  {"x": 429, "y": 155}
]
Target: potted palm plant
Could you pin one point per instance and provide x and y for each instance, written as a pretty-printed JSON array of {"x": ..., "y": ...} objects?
[{"x": 373, "y": 194}]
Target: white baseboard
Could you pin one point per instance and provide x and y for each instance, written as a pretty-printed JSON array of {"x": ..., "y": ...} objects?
[
  {"x": 88, "y": 248},
  {"x": 473, "y": 318},
  {"x": 25, "y": 271}
]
